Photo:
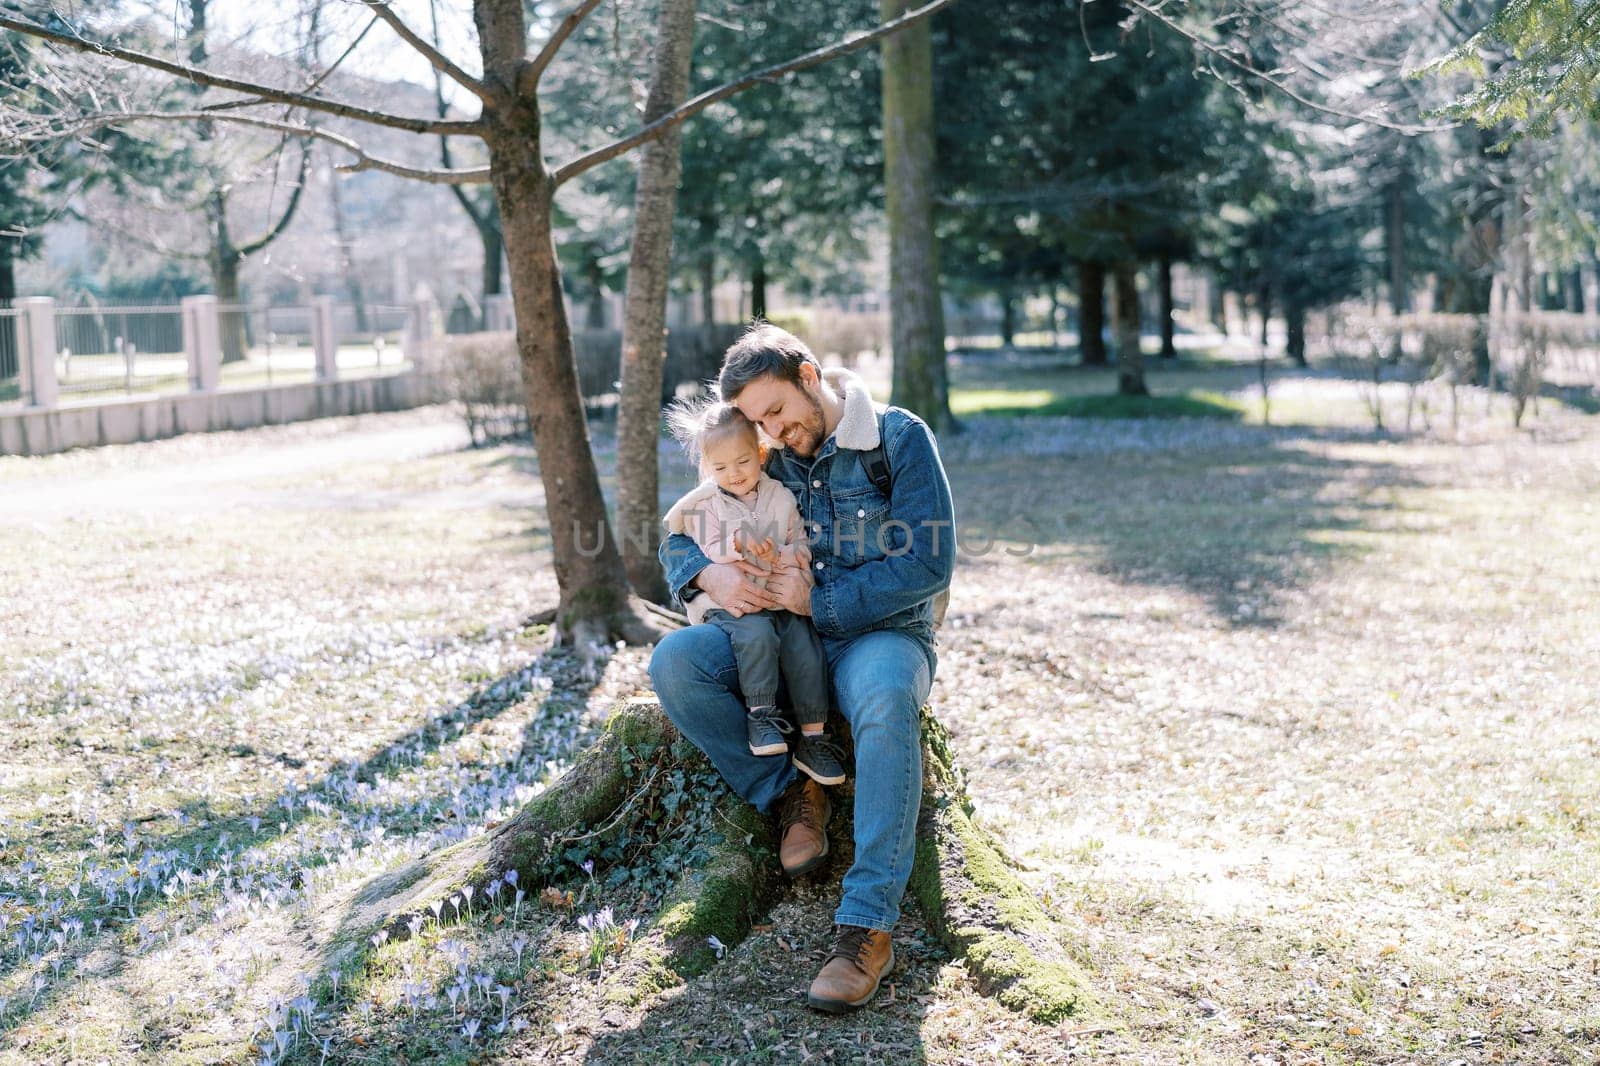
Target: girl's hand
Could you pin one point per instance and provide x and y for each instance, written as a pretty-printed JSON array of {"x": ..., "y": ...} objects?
[{"x": 764, "y": 551}]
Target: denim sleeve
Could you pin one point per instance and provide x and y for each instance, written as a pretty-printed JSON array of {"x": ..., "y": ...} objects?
[
  {"x": 683, "y": 560},
  {"x": 854, "y": 599}
]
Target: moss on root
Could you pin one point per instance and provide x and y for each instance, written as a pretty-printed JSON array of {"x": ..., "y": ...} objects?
[{"x": 978, "y": 906}]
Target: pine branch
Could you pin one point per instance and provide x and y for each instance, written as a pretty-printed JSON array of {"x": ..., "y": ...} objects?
[
  {"x": 1260, "y": 75},
  {"x": 689, "y": 108},
  {"x": 264, "y": 93}
]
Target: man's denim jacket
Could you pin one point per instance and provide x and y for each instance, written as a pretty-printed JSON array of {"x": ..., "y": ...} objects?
[{"x": 878, "y": 562}]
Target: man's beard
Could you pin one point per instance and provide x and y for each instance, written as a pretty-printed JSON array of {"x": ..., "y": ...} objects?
[{"x": 810, "y": 435}]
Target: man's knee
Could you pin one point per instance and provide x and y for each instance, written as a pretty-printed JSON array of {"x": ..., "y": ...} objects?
[
  {"x": 687, "y": 656},
  {"x": 881, "y": 706}
]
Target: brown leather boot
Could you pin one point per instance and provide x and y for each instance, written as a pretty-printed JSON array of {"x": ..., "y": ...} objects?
[
  {"x": 850, "y": 977},
  {"x": 803, "y": 812}
]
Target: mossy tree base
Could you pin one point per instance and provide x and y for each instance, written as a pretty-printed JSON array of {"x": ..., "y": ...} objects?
[
  {"x": 976, "y": 904},
  {"x": 971, "y": 896}
]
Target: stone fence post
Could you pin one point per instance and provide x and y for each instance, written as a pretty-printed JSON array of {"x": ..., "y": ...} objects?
[
  {"x": 498, "y": 316},
  {"x": 421, "y": 338},
  {"x": 36, "y": 327},
  {"x": 324, "y": 340},
  {"x": 202, "y": 342}
]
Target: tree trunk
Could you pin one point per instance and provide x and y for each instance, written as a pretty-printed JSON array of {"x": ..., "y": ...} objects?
[
  {"x": 1294, "y": 320},
  {"x": 1169, "y": 349},
  {"x": 916, "y": 312},
  {"x": 8, "y": 269},
  {"x": 1572, "y": 291},
  {"x": 1125, "y": 298},
  {"x": 594, "y": 605},
  {"x": 352, "y": 280},
  {"x": 758, "y": 288},
  {"x": 1264, "y": 301},
  {"x": 494, "y": 251},
  {"x": 588, "y": 568},
  {"x": 1091, "y": 313},
  {"x": 594, "y": 315},
  {"x": 644, "y": 321},
  {"x": 1008, "y": 318},
  {"x": 225, "y": 279},
  {"x": 708, "y": 276}
]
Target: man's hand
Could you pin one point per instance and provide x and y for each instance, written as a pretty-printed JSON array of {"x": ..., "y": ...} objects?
[
  {"x": 731, "y": 586},
  {"x": 793, "y": 590}
]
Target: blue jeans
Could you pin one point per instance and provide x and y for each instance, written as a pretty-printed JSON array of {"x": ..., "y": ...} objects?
[{"x": 879, "y": 681}]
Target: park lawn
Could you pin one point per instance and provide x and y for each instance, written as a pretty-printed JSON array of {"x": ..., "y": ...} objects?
[{"x": 1292, "y": 727}]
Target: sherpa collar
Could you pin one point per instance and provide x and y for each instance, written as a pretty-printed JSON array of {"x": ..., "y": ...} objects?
[{"x": 858, "y": 428}]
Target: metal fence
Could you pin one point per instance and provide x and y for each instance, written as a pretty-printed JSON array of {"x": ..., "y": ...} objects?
[
  {"x": 10, "y": 352},
  {"x": 137, "y": 348}
]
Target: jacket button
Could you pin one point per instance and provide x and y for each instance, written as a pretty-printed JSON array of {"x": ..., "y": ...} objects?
[
  {"x": 822, "y": 566},
  {"x": 861, "y": 513},
  {"x": 816, "y": 484}
]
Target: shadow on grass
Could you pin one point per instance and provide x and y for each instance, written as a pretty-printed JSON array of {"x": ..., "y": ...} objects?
[
  {"x": 1239, "y": 515},
  {"x": 1191, "y": 403},
  {"x": 203, "y": 846}
]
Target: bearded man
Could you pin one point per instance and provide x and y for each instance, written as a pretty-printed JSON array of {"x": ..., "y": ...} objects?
[{"x": 876, "y": 507}]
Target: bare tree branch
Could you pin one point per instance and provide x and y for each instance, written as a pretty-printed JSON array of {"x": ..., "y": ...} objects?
[
  {"x": 363, "y": 161},
  {"x": 315, "y": 82},
  {"x": 480, "y": 220},
  {"x": 535, "y": 70},
  {"x": 1232, "y": 60},
  {"x": 699, "y": 103},
  {"x": 273, "y": 232},
  {"x": 440, "y": 61},
  {"x": 217, "y": 81}
]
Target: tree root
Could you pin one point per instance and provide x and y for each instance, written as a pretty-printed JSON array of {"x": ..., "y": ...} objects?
[
  {"x": 976, "y": 904},
  {"x": 584, "y": 796}
]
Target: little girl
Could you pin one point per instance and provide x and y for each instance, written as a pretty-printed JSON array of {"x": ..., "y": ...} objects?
[{"x": 739, "y": 512}]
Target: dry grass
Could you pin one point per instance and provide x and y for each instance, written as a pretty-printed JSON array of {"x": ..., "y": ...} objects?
[{"x": 1294, "y": 728}]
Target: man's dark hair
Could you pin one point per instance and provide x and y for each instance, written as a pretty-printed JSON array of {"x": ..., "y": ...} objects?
[{"x": 763, "y": 349}]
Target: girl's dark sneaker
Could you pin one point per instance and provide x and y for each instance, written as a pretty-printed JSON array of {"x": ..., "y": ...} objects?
[
  {"x": 819, "y": 759},
  {"x": 765, "y": 727}
]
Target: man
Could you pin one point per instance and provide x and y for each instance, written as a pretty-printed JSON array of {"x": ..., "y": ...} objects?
[{"x": 878, "y": 559}]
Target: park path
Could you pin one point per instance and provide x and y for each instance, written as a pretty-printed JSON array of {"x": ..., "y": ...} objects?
[{"x": 270, "y": 468}]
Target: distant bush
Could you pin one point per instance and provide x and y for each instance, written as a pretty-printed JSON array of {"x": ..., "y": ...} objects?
[
  {"x": 1433, "y": 353},
  {"x": 845, "y": 334},
  {"x": 483, "y": 375}
]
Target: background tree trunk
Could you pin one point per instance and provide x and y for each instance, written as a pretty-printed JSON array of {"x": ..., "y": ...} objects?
[
  {"x": 1394, "y": 232},
  {"x": 225, "y": 279},
  {"x": 1169, "y": 349},
  {"x": 916, "y": 312},
  {"x": 352, "y": 281},
  {"x": 1091, "y": 313},
  {"x": 1008, "y": 317},
  {"x": 758, "y": 288},
  {"x": 494, "y": 251},
  {"x": 1294, "y": 320},
  {"x": 644, "y": 321},
  {"x": 1130, "y": 359}
]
